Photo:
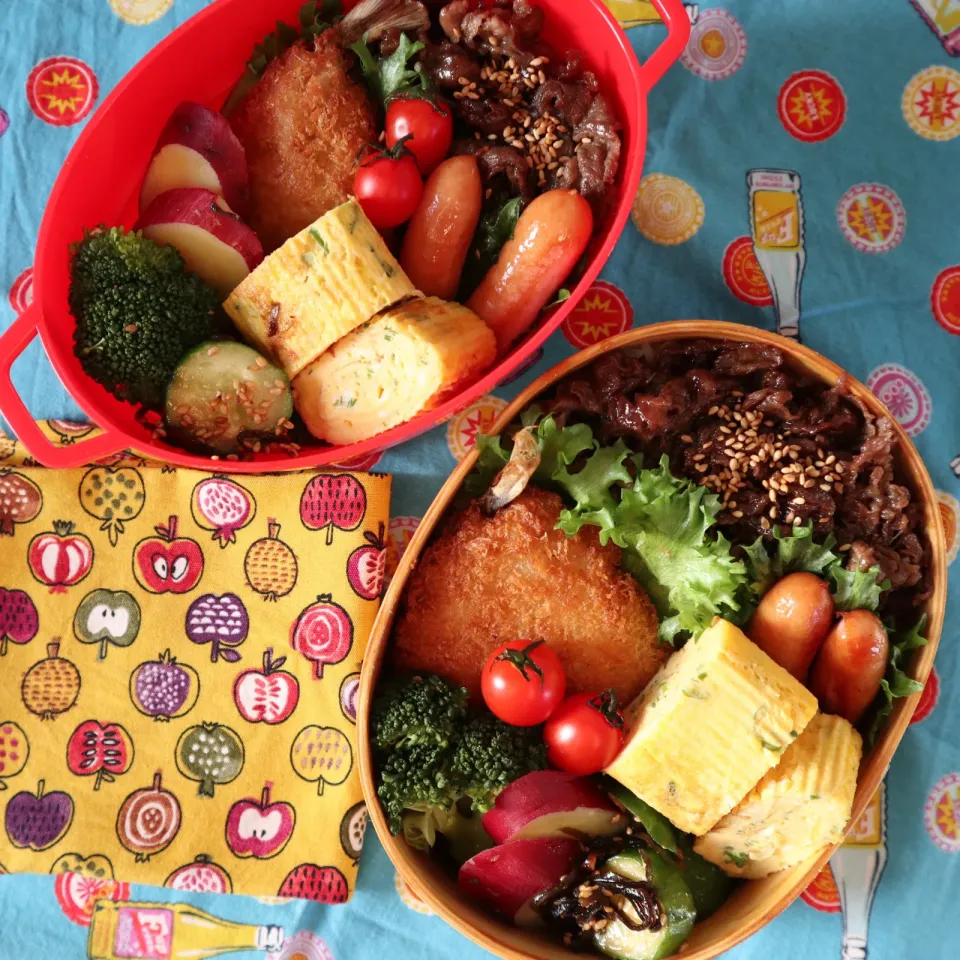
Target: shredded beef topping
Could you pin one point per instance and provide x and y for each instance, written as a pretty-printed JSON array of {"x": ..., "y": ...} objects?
[
  {"x": 512, "y": 90},
  {"x": 779, "y": 448},
  {"x": 445, "y": 63}
]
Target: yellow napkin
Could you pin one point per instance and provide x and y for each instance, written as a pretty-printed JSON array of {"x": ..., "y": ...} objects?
[{"x": 179, "y": 657}]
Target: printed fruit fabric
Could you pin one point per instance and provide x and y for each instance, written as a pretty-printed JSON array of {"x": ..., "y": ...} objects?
[{"x": 178, "y": 682}]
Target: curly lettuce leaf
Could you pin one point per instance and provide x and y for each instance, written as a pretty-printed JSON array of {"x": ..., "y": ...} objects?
[
  {"x": 389, "y": 76},
  {"x": 896, "y": 683},
  {"x": 661, "y": 522},
  {"x": 797, "y": 551},
  {"x": 857, "y": 589},
  {"x": 591, "y": 488}
]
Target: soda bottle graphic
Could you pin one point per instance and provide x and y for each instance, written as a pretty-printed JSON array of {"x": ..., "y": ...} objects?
[
  {"x": 857, "y": 867},
  {"x": 125, "y": 930},
  {"x": 943, "y": 17},
  {"x": 776, "y": 225},
  {"x": 639, "y": 13}
]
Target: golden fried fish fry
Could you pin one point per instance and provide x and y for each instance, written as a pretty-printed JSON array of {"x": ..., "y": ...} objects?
[
  {"x": 487, "y": 580},
  {"x": 302, "y": 126}
]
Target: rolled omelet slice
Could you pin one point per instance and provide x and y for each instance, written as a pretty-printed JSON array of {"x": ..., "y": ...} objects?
[
  {"x": 321, "y": 284},
  {"x": 708, "y": 726},
  {"x": 405, "y": 361},
  {"x": 798, "y": 808}
]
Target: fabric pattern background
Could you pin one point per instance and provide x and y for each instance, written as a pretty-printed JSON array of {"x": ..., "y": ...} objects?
[
  {"x": 857, "y": 109},
  {"x": 179, "y": 675}
]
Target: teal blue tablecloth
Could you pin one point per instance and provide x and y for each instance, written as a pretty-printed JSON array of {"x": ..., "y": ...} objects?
[{"x": 855, "y": 108}]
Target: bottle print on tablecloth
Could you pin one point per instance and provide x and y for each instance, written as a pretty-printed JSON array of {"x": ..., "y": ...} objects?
[
  {"x": 848, "y": 883},
  {"x": 171, "y": 931},
  {"x": 19, "y": 619},
  {"x": 642, "y": 13},
  {"x": 857, "y": 867},
  {"x": 776, "y": 226},
  {"x": 943, "y": 18}
]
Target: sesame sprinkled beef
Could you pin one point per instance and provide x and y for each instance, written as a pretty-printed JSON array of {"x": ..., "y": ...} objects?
[
  {"x": 778, "y": 448},
  {"x": 513, "y": 94}
]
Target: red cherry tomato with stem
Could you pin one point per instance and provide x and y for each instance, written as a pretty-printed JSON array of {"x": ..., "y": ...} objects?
[
  {"x": 585, "y": 733},
  {"x": 429, "y": 124},
  {"x": 388, "y": 185},
  {"x": 523, "y": 683}
]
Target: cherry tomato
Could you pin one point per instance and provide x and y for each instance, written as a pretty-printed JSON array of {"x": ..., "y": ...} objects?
[
  {"x": 388, "y": 185},
  {"x": 429, "y": 124},
  {"x": 523, "y": 683},
  {"x": 585, "y": 733}
]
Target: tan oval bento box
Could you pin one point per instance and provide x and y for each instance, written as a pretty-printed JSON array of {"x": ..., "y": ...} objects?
[{"x": 754, "y": 903}]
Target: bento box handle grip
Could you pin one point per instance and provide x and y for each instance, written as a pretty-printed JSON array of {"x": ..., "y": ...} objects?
[
  {"x": 12, "y": 343},
  {"x": 674, "y": 14}
]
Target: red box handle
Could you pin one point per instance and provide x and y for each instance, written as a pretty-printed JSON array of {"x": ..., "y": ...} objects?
[
  {"x": 677, "y": 20},
  {"x": 12, "y": 343}
]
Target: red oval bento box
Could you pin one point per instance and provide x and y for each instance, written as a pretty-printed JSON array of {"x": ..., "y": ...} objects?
[{"x": 201, "y": 61}]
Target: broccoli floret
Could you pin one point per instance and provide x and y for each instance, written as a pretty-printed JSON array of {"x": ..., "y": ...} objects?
[
  {"x": 138, "y": 312},
  {"x": 418, "y": 710},
  {"x": 490, "y": 754},
  {"x": 416, "y": 778}
]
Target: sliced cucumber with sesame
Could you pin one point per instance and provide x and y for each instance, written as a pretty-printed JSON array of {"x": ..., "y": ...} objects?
[{"x": 222, "y": 393}]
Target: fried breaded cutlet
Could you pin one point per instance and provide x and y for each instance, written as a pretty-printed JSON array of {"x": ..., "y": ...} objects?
[
  {"x": 302, "y": 126},
  {"x": 512, "y": 576}
]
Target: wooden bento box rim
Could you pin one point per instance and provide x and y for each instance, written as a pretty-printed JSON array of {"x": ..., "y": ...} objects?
[{"x": 742, "y": 914}]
